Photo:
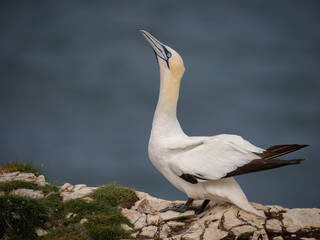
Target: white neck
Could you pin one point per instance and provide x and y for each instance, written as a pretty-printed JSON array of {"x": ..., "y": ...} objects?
[{"x": 165, "y": 117}]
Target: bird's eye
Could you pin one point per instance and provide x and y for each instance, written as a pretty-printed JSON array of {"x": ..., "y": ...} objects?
[{"x": 169, "y": 54}]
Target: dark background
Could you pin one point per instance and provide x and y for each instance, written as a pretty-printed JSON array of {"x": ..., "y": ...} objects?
[{"x": 79, "y": 84}]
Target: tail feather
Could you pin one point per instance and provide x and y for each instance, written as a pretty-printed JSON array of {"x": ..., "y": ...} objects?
[
  {"x": 268, "y": 160},
  {"x": 279, "y": 150}
]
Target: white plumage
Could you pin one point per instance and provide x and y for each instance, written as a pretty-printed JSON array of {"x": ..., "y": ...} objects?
[{"x": 195, "y": 165}]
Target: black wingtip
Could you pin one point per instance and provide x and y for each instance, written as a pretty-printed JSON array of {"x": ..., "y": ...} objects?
[{"x": 296, "y": 161}]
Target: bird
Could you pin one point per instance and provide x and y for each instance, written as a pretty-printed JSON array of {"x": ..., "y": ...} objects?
[{"x": 202, "y": 167}]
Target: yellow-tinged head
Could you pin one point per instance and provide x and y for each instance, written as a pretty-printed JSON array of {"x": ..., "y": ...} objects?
[{"x": 168, "y": 59}]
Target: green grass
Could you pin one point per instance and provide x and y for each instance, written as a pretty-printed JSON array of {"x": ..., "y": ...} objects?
[
  {"x": 21, "y": 216},
  {"x": 115, "y": 195},
  {"x": 104, "y": 218},
  {"x": 18, "y": 165},
  {"x": 9, "y": 186}
]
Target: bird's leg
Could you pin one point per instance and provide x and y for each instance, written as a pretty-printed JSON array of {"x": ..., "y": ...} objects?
[
  {"x": 202, "y": 207},
  {"x": 181, "y": 207}
]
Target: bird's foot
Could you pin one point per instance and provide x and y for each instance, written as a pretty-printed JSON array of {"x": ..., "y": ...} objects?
[
  {"x": 200, "y": 209},
  {"x": 180, "y": 207}
]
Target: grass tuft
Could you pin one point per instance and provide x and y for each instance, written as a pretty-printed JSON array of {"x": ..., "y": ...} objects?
[
  {"x": 116, "y": 195},
  {"x": 9, "y": 186},
  {"x": 21, "y": 216},
  {"x": 18, "y": 165}
]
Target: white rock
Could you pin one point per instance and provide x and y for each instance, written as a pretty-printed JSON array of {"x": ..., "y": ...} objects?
[
  {"x": 176, "y": 237},
  {"x": 65, "y": 186},
  {"x": 276, "y": 208},
  {"x": 70, "y": 188},
  {"x": 165, "y": 231},
  {"x": 243, "y": 229},
  {"x": 190, "y": 235},
  {"x": 230, "y": 218},
  {"x": 153, "y": 219},
  {"x": 78, "y": 194},
  {"x": 41, "y": 178},
  {"x": 174, "y": 225},
  {"x": 277, "y": 238},
  {"x": 141, "y": 195},
  {"x": 171, "y": 215},
  {"x": 40, "y": 232},
  {"x": 87, "y": 199},
  {"x": 274, "y": 225},
  {"x": 84, "y": 220},
  {"x": 135, "y": 234},
  {"x": 144, "y": 206},
  {"x": 157, "y": 204},
  {"x": 214, "y": 234},
  {"x": 141, "y": 222},
  {"x": 28, "y": 177},
  {"x": 126, "y": 227},
  {"x": 8, "y": 176},
  {"x": 27, "y": 193},
  {"x": 132, "y": 215},
  {"x": 260, "y": 235},
  {"x": 77, "y": 187},
  {"x": 252, "y": 219},
  {"x": 69, "y": 215},
  {"x": 300, "y": 218},
  {"x": 149, "y": 231}
]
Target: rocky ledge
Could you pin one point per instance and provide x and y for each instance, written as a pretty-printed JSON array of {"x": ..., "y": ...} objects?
[
  {"x": 224, "y": 221},
  {"x": 219, "y": 221}
]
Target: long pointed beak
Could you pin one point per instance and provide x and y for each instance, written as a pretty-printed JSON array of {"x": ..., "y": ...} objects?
[{"x": 159, "y": 48}]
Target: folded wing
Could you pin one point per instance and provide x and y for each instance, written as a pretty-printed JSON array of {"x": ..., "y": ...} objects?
[{"x": 225, "y": 156}]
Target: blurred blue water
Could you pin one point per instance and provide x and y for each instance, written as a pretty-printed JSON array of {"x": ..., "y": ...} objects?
[{"x": 79, "y": 84}]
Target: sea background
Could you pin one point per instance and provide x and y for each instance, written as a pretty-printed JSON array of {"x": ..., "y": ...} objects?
[{"x": 79, "y": 85}]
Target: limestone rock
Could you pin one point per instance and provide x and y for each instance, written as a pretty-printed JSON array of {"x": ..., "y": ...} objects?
[
  {"x": 165, "y": 231},
  {"x": 277, "y": 238},
  {"x": 8, "y": 176},
  {"x": 149, "y": 231},
  {"x": 126, "y": 227},
  {"x": 153, "y": 219},
  {"x": 40, "y": 232},
  {"x": 252, "y": 219},
  {"x": 141, "y": 222},
  {"x": 77, "y": 187},
  {"x": 191, "y": 235},
  {"x": 27, "y": 193},
  {"x": 230, "y": 218},
  {"x": 41, "y": 178},
  {"x": 84, "y": 220},
  {"x": 300, "y": 218},
  {"x": 65, "y": 186},
  {"x": 243, "y": 229},
  {"x": 274, "y": 225},
  {"x": 171, "y": 215},
  {"x": 132, "y": 215},
  {"x": 260, "y": 235},
  {"x": 28, "y": 177},
  {"x": 144, "y": 206},
  {"x": 175, "y": 225},
  {"x": 80, "y": 193},
  {"x": 214, "y": 234}
]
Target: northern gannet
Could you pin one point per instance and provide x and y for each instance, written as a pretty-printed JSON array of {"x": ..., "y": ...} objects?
[{"x": 201, "y": 167}]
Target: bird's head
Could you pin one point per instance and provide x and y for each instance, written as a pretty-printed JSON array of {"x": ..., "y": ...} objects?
[{"x": 168, "y": 59}]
